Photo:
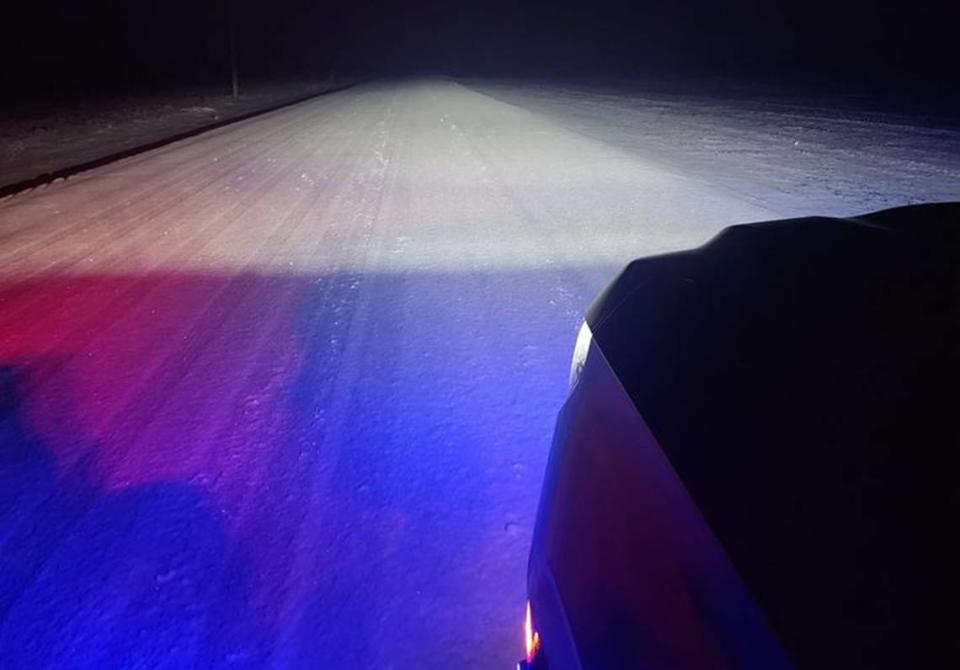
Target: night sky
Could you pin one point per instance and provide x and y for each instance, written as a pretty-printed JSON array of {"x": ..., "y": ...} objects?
[{"x": 69, "y": 44}]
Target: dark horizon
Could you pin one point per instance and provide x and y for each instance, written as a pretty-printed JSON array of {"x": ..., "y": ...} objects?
[{"x": 66, "y": 46}]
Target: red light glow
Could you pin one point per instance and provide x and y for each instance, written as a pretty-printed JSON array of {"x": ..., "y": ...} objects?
[{"x": 531, "y": 637}]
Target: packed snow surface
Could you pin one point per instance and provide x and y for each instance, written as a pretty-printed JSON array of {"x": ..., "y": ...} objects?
[
  {"x": 281, "y": 395},
  {"x": 42, "y": 137}
]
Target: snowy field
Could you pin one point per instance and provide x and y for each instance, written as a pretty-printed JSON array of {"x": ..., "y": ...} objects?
[
  {"x": 801, "y": 151},
  {"x": 280, "y": 395},
  {"x": 39, "y": 137}
]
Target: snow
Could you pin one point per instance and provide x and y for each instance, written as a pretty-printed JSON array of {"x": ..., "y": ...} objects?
[
  {"x": 40, "y": 137},
  {"x": 281, "y": 395},
  {"x": 815, "y": 153}
]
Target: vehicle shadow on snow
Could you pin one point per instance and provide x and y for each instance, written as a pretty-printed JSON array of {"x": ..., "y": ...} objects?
[{"x": 109, "y": 578}]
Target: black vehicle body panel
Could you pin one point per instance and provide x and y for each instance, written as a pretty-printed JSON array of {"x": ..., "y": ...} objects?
[{"x": 757, "y": 464}]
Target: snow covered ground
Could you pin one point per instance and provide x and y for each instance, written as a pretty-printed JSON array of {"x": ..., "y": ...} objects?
[
  {"x": 805, "y": 148},
  {"x": 819, "y": 152},
  {"x": 41, "y": 137},
  {"x": 280, "y": 395}
]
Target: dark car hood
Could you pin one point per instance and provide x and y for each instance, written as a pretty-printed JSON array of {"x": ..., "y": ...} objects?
[{"x": 801, "y": 378}]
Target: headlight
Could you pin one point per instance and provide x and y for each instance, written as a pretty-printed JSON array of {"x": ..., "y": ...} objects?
[{"x": 580, "y": 350}]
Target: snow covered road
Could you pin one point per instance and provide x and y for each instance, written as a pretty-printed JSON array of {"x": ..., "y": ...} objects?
[
  {"x": 281, "y": 395},
  {"x": 801, "y": 152}
]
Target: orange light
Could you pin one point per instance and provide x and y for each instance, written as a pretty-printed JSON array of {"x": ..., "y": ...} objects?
[{"x": 531, "y": 638}]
